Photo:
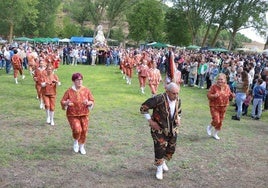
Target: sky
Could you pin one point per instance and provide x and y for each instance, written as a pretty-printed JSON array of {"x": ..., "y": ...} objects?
[{"x": 253, "y": 35}]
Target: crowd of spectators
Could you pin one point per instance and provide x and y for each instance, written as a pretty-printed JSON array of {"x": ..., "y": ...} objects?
[{"x": 198, "y": 68}]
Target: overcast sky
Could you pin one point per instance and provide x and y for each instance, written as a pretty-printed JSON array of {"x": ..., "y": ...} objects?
[{"x": 252, "y": 34}]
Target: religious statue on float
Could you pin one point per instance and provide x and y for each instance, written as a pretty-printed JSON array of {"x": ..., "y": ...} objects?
[{"x": 99, "y": 39}]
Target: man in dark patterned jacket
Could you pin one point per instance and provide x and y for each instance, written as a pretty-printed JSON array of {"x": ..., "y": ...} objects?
[{"x": 164, "y": 123}]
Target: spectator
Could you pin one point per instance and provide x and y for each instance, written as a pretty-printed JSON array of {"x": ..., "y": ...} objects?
[{"x": 258, "y": 96}]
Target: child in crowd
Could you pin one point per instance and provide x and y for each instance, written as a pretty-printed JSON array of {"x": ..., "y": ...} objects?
[
  {"x": 258, "y": 95},
  {"x": 246, "y": 103}
]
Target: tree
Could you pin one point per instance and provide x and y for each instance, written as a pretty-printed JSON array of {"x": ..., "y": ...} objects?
[
  {"x": 47, "y": 10},
  {"x": 79, "y": 13},
  {"x": 177, "y": 29},
  {"x": 213, "y": 7},
  {"x": 28, "y": 24},
  {"x": 195, "y": 13},
  {"x": 13, "y": 12},
  {"x": 96, "y": 10},
  {"x": 243, "y": 16},
  {"x": 69, "y": 29},
  {"x": 117, "y": 34},
  {"x": 266, "y": 44},
  {"x": 146, "y": 21},
  {"x": 115, "y": 12},
  {"x": 222, "y": 17}
]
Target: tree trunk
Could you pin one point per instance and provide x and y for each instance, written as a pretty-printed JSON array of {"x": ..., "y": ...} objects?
[
  {"x": 11, "y": 29},
  {"x": 208, "y": 29},
  {"x": 266, "y": 44},
  {"x": 206, "y": 36},
  {"x": 82, "y": 27},
  {"x": 231, "y": 40},
  {"x": 216, "y": 36}
]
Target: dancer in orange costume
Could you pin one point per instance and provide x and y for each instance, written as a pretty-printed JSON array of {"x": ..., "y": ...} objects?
[
  {"x": 49, "y": 83},
  {"x": 78, "y": 101},
  {"x": 129, "y": 64},
  {"x": 218, "y": 96},
  {"x": 38, "y": 74},
  {"x": 154, "y": 78},
  {"x": 142, "y": 70},
  {"x": 31, "y": 57},
  {"x": 122, "y": 66},
  {"x": 56, "y": 60},
  {"x": 17, "y": 66}
]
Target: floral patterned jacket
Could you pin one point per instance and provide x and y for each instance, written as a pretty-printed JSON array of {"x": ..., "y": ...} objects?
[{"x": 161, "y": 113}]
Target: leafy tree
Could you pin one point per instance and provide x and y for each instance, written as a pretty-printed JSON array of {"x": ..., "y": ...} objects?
[
  {"x": 79, "y": 12},
  {"x": 13, "y": 12},
  {"x": 195, "y": 13},
  {"x": 28, "y": 24},
  {"x": 69, "y": 29},
  {"x": 116, "y": 10},
  {"x": 222, "y": 17},
  {"x": 146, "y": 21},
  {"x": 243, "y": 15},
  {"x": 96, "y": 10},
  {"x": 47, "y": 16},
  {"x": 118, "y": 34},
  {"x": 213, "y": 7},
  {"x": 177, "y": 29}
]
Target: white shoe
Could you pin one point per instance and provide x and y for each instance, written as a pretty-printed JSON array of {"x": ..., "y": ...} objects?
[
  {"x": 51, "y": 114},
  {"x": 82, "y": 149},
  {"x": 209, "y": 128},
  {"x": 159, "y": 172},
  {"x": 165, "y": 167},
  {"x": 48, "y": 120},
  {"x": 76, "y": 146},
  {"x": 48, "y": 116},
  {"x": 52, "y": 122},
  {"x": 23, "y": 76},
  {"x": 215, "y": 135},
  {"x": 42, "y": 106}
]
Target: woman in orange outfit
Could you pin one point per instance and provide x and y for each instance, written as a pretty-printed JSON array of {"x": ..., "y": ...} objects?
[
  {"x": 38, "y": 74},
  {"x": 154, "y": 78},
  {"x": 219, "y": 96},
  {"x": 129, "y": 64},
  {"x": 142, "y": 70},
  {"x": 17, "y": 66},
  {"x": 78, "y": 101},
  {"x": 49, "y": 83}
]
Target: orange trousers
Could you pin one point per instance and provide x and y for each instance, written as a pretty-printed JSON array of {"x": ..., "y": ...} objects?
[
  {"x": 16, "y": 71},
  {"x": 49, "y": 101},
  {"x": 38, "y": 90},
  {"x": 217, "y": 115},
  {"x": 142, "y": 81},
  {"x": 79, "y": 126},
  {"x": 154, "y": 88}
]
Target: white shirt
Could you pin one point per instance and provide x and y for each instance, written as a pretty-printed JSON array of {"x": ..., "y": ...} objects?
[{"x": 172, "y": 105}]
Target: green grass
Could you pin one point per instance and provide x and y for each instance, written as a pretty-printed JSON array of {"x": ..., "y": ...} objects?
[{"x": 119, "y": 145}]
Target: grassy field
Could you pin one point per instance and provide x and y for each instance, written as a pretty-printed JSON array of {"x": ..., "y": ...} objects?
[{"x": 119, "y": 147}]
